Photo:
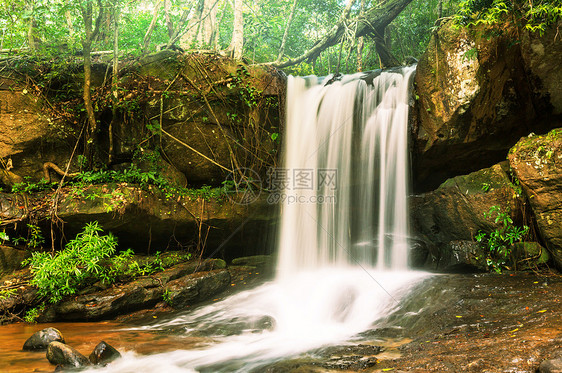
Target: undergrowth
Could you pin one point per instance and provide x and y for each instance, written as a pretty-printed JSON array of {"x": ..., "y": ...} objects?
[{"x": 87, "y": 259}]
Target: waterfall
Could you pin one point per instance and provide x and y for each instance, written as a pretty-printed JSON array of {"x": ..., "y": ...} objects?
[
  {"x": 342, "y": 253},
  {"x": 351, "y": 138}
]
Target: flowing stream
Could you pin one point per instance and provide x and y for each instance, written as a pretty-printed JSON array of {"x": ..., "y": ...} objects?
[{"x": 342, "y": 256}]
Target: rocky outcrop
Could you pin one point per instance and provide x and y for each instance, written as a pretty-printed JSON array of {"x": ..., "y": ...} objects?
[
  {"x": 148, "y": 220},
  {"x": 454, "y": 213},
  {"x": 477, "y": 95},
  {"x": 542, "y": 55},
  {"x": 191, "y": 119},
  {"x": 537, "y": 163}
]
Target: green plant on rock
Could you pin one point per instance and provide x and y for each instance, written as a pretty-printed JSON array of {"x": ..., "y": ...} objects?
[
  {"x": 500, "y": 241},
  {"x": 533, "y": 15},
  {"x": 7, "y": 293},
  {"x": 34, "y": 239},
  {"x": 60, "y": 274},
  {"x": 33, "y": 313}
]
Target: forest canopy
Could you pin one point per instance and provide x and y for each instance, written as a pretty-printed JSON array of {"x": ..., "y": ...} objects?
[{"x": 308, "y": 36}]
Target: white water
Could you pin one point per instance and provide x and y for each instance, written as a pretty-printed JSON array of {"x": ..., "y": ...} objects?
[{"x": 342, "y": 263}]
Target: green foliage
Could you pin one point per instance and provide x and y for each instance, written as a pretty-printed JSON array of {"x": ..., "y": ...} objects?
[
  {"x": 31, "y": 187},
  {"x": 499, "y": 241},
  {"x": 32, "y": 314},
  {"x": 152, "y": 176},
  {"x": 534, "y": 15},
  {"x": 34, "y": 238},
  {"x": 166, "y": 297},
  {"x": 89, "y": 258},
  {"x": 7, "y": 293},
  {"x": 60, "y": 274}
]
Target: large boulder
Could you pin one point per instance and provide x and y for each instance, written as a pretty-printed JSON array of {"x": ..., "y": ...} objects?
[
  {"x": 476, "y": 99},
  {"x": 41, "y": 339},
  {"x": 537, "y": 163},
  {"x": 454, "y": 213},
  {"x": 68, "y": 357}
]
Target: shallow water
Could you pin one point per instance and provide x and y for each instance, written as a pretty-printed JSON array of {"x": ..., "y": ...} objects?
[{"x": 496, "y": 323}]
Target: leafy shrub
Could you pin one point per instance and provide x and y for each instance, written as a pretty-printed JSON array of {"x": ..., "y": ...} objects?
[
  {"x": 500, "y": 241},
  {"x": 534, "y": 15},
  {"x": 89, "y": 258},
  {"x": 60, "y": 274}
]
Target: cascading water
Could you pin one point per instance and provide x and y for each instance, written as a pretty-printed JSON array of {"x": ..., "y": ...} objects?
[
  {"x": 343, "y": 238},
  {"x": 355, "y": 137}
]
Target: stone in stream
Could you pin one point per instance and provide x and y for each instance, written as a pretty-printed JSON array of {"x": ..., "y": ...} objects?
[
  {"x": 104, "y": 353},
  {"x": 61, "y": 354},
  {"x": 41, "y": 339},
  {"x": 551, "y": 366}
]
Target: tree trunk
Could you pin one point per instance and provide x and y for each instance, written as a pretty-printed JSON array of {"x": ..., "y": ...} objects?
[
  {"x": 115, "y": 78},
  {"x": 193, "y": 25},
  {"x": 237, "y": 43},
  {"x": 169, "y": 23},
  {"x": 216, "y": 34},
  {"x": 286, "y": 33},
  {"x": 375, "y": 20},
  {"x": 33, "y": 39},
  {"x": 360, "y": 40},
  {"x": 90, "y": 33},
  {"x": 148, "y": 34}
]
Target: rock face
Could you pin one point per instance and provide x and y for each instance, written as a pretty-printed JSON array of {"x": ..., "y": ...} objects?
[
  {"x": 10, "y": 259},
  {"x": 537, "y": 163},
  {"x": 542, "y": 56},
  {"x": 444, "y": 219},
  {"x": 477, "y": 95},
  {"x": 61, "y": 354},
  {"x": 148, "y": 220},
  {"x": 41, "y": 339},
  {"x": 193, "y": 118},
  {"x": 104, "y": 354}
]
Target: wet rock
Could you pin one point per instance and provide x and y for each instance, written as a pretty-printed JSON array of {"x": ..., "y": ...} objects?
[
  {"x": 460, "y": 256},
  {"x": 265, "y": 263},
  {"x": 11, "y": 258},
  {"x": 61, "y": 354},
  {"x": 551, "y": 366},
  {"x": 455, "y": 212},
  {"x": 476, "y": 99},
  {"x": 537, "y": 163},
  {"x": 139, "y": 294},
  {"x": 197, "y": 287},
  {"x": 41, "y": 339},
  {"x": 542, "y": 55},
  {"x": 529, "y": 255},
  {"x": 265, "y": 323},
  {"x": 103, "y": 354}
]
